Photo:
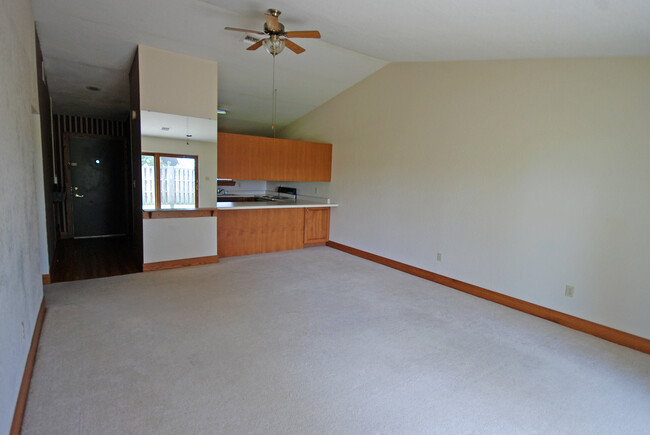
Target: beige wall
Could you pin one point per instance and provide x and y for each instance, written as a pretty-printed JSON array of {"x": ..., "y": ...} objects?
[
  {"x": 21, "y": 288},
  {"x": 207, "y": 153},
  {"x": 176, "y": 83},
  {"x": 526, "y": 175}
]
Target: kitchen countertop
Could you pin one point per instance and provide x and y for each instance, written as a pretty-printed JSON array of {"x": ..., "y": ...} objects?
[{"x": 253, "y": 205}]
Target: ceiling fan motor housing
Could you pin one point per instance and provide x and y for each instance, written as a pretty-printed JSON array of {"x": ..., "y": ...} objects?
[{"x": 279, "y": 31}]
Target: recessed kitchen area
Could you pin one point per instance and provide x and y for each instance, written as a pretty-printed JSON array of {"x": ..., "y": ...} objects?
[
  {"x": 208, "y": 195},
  {"x": 279, "y": 207},
  {"x": 274, "y": 208}
]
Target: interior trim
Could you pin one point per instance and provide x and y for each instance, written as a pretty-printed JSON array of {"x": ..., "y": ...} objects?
[
  {"x": 179, "y": 213},
  {"x": 19, "y": 412},
  {"x": 47, "y": 279},
  {"x": 312, "y": 245},
  {"x": 183, "y": 262},
  {"x": 605, "y": 332}
]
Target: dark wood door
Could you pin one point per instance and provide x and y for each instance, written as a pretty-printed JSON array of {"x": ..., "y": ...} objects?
[{"x": 98, "y": 190}]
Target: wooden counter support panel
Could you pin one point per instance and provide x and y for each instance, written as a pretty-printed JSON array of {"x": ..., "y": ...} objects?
[
  {"x": 244, "y": 232},
  {"x": 317, "y": 225}
]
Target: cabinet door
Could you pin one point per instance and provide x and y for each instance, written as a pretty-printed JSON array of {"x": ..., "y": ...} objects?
[
  {"x": 314, "y": 161},
  {"x": 317, "y": 225},
  {"x": 242, "y": 157}
]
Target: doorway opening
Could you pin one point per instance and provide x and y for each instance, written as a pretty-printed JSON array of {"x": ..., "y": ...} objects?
[{"x": 94, "y": 219}]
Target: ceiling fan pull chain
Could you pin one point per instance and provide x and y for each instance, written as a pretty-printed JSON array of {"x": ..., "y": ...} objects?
[
  {"x": 274, "y": 98},
  {"x": 274, "y": 42}
]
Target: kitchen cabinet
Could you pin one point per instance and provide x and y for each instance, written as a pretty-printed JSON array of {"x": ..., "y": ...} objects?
[
  {"x": 317, "y": 225},
  {"x": 244, "y": 232},
  {"x": 242, "y": 157},
  {"x": 256, "y": 231}
]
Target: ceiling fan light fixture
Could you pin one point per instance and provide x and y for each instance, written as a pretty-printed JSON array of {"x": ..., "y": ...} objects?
[{"x": 274, "y": 45}]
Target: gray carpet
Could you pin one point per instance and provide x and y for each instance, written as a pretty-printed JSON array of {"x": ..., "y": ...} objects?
[{"x": 317, "y": 341}]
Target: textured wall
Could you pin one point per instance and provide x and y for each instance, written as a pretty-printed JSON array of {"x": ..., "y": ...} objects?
[
  {"x": 526, "y": 175},
  {"x": 21, "y": 290}
]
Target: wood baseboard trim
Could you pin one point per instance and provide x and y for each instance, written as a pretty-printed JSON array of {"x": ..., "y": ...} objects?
[
  {"x": 184, "y": 262},
  {"x": 595, "y": 329},
  {"x": 311, "y": 245},
  {"x": 19, "y": 412},
  {"x": 47, "y": 279}
]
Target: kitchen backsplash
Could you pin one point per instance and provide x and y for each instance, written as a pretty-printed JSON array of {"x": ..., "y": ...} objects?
[
  {"x": 247, "y": 187},
  {"x": 312, "y": 189},
  {"x": 319, "y": 190}
]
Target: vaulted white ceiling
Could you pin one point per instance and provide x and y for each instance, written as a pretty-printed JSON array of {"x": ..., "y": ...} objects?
[{"x": 92, "y": 42}]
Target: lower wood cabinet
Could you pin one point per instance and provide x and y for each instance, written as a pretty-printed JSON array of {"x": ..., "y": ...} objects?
[
  {"x": 317, "y": 225},
  {"x": 245, "y": 232}
]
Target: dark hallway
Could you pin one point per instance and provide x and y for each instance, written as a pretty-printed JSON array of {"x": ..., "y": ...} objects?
[{"x": 93, "y": 258}]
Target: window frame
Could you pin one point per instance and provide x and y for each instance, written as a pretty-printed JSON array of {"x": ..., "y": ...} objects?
[{"x": 156, "y": 172}]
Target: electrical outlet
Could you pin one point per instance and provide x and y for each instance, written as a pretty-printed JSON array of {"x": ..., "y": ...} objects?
[
  {"x": 22, "y": 329},
  {"x": 569, "y": 291},
  {"x": 439, "y": 256},
  {"x": 315, "y": 189}
]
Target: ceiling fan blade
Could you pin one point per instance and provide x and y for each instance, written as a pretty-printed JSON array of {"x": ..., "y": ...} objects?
[
  {"x": 303, "y": 34},
  {"x": 272, "y": 22},
  {"x": 257, "y": 45},
  {"x": 245, "y": 30},
  {"x": 293, "y": 46}
]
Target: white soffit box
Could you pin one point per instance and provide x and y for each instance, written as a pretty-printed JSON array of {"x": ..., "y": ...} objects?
[{"x": 172, "y": 126}]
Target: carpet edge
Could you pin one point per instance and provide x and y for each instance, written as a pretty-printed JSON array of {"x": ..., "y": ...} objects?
[
  {"x": 601, "y": 331},
  {"x": 21, "y": 402}
]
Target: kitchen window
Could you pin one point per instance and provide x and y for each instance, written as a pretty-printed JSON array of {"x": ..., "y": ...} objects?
[{"x": 169, "y": 181}]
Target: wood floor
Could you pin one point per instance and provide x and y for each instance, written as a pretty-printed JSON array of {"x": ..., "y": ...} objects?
[{"x": 93, "y": 258}]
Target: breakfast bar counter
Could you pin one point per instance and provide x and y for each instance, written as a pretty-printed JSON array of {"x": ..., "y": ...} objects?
[{"x": 256, "y": 205}]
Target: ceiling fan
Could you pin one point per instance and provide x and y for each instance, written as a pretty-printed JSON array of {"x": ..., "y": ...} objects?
[{"x": 277, "y": 38}]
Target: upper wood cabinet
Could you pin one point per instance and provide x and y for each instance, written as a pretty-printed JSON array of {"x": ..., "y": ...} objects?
[{"x": 242, "y": 157}]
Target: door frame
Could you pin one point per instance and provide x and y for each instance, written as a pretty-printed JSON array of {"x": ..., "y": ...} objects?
[{"x": 68, "y": 179}]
